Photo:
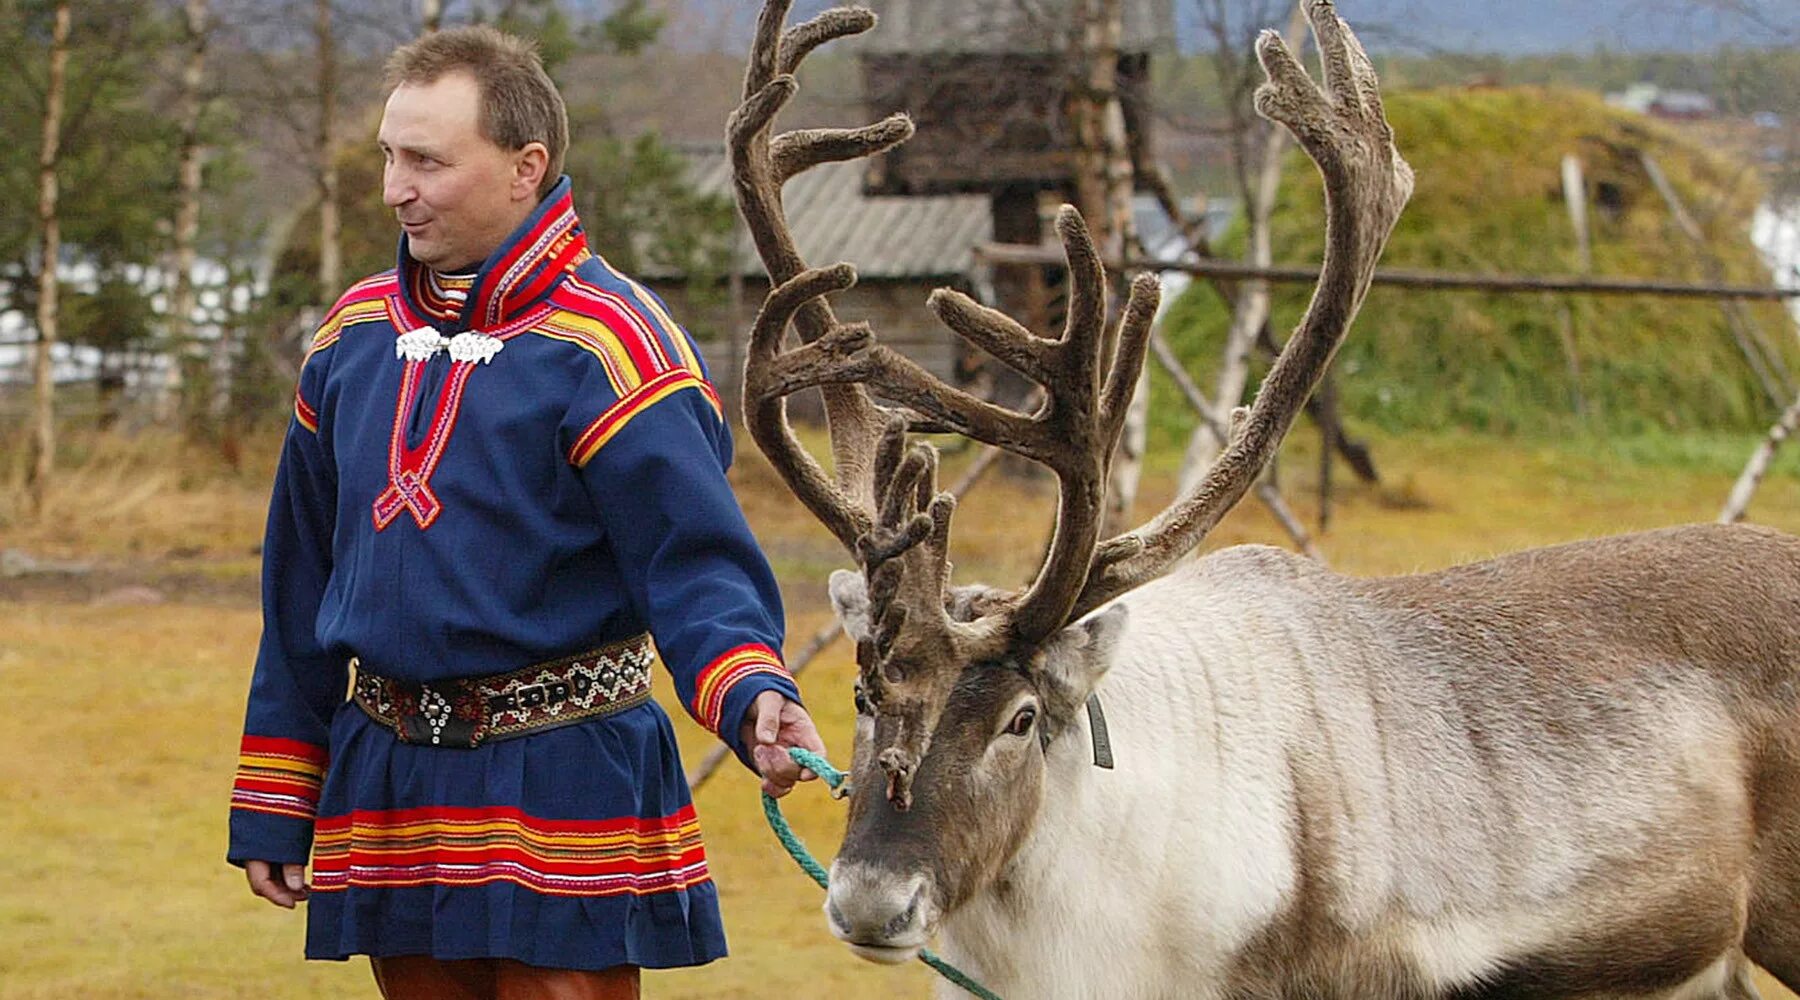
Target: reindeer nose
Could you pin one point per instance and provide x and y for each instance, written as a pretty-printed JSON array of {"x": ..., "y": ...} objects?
[
  {"x": 882, "y": 915},
  {"x": 895, "y": 928}
]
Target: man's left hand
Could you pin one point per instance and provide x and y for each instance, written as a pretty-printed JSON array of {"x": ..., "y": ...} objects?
[{"x": 772, "y": 725}]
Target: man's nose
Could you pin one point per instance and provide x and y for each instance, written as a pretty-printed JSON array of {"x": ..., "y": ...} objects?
[{"x": 396, "y": 187}]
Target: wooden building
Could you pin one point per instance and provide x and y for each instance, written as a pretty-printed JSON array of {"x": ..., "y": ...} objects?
[{"x": 987, "y": 83}]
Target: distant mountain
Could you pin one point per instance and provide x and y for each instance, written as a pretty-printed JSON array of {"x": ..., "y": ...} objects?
[
  {"x": 1507, "y": 27},
  {"x": 1521, "y": 27}
]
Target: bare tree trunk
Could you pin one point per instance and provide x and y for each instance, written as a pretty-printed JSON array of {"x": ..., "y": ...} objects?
[
  {"x": 330, "y": 259},
  {"x": 43, "y": 439},
  {"x": 1762, "y": 357},
  {"x": 187, "y": 221},
  {"x": 1250, "y": 310},
  {"x": 1758, "y": 466},
  {"x": 1103, "y": 185}
]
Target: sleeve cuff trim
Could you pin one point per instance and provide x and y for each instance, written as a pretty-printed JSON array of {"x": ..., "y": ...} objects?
[
  {"x": 724, "y": 673},
  {"x": 278, "y": 776}
]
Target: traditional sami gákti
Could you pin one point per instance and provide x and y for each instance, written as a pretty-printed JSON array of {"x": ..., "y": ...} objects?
[{"x": 519, "y": 470}]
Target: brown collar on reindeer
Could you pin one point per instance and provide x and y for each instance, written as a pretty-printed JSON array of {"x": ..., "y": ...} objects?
[{"x": 1103, "y": 755}]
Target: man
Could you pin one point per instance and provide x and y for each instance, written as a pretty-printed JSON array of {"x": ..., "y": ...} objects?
[{"x": 505, "y": 467}]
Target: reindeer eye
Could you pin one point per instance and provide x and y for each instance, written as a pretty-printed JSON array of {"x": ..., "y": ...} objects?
[{"x": 1021, "y": 723}]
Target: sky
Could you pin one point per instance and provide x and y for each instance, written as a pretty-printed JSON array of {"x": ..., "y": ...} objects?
[{"x": 1513, "y": 27}]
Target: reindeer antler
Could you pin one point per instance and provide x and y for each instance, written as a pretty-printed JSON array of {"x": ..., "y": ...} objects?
[
  {"x": 760, "y": 165},
  {"x": 882, "y": 508},
  {"x": 882, "y": 503},
  {"x": 1344, "y": 129}
]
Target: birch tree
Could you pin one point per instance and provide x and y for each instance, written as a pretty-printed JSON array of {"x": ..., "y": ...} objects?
[
  {"x": 187, "y": 216},
  {"x": 1257, "y": 148},
  {"x": 330, "y": 249},
  {"x": 1103, "y": 186},
  {"x": 43, "y": 438}
]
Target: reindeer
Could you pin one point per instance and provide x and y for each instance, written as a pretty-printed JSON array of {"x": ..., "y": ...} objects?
[{"x": 1569, "y": 772}]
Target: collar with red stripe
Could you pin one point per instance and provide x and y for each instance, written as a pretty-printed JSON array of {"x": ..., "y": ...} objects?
[{"x": 519, "y": 274}]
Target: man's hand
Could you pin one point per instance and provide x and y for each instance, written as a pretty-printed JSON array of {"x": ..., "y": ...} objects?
[
  {"x": 284, "y": 888},
  {"x": 773, "y": 724}
]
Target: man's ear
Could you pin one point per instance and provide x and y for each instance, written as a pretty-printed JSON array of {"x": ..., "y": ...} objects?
[
  {"x": 1072, "y": 662},
  {"x": 529, "y": 166},
  {"x": 850, "y": 599}
]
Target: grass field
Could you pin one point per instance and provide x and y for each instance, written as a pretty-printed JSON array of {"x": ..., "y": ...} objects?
[{"x": 122, "y": 738}]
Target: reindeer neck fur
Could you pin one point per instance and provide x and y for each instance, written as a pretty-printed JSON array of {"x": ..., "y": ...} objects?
[
  {"x": 1325, "y": 786},
  {"x": 1173, "y": 860}
]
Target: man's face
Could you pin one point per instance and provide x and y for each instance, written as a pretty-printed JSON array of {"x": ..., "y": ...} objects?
[{"x": 457, "y": 194}]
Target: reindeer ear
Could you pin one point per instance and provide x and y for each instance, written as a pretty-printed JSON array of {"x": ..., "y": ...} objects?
[
  {"x": 971, "y": 601},
  {"x": 1074, "y": 660},
  {"x": 850, "y": 599}
]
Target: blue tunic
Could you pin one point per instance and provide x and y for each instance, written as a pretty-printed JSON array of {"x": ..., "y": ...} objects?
[{"x": 449, "y": 506}]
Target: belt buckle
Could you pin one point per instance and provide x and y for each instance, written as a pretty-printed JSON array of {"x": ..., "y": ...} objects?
[
  {"x": 435, "y": 721},
  {"x": 531, "y": 695}
]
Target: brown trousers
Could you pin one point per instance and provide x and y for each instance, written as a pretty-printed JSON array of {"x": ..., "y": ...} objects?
[{"x": 419, "y": 977}]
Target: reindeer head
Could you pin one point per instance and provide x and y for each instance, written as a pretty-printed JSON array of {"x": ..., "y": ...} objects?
[{"x": 961, "y": 691}]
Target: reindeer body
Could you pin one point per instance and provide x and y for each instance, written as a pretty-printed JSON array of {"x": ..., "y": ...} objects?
[{"x": 1562, "y": 773}]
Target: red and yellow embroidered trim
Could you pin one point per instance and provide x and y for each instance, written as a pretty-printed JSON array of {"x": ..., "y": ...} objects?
[
  {"x": 354, "y": 314},
  {"x": 364, "y": 302},
  {"x": 278, "y": 776},
  {"x": 303, "y": 412},
  {"x": 654, "y": 307},
  {"x": 610, "y": 423},
  {"x": 441, "y": 845},
  {"x": 718, "y": 678},
  {"x": 626, "y": 363},
  {"x": 535, "y": 262}
]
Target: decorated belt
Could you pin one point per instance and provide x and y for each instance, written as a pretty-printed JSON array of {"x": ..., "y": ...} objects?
[{"x": 466, "y": 712}]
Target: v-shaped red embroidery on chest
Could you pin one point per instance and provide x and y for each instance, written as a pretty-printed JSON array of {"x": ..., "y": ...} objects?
[{"x": 410, "y": 468}]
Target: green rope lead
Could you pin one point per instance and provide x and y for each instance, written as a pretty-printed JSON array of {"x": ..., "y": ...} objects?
[{"x": 818, "y": 765}]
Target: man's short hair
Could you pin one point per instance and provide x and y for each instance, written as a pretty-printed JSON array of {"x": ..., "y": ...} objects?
[{"x": 519, "y": 102}]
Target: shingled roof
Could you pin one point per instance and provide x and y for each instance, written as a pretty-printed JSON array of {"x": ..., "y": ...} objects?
[
  {"x": 887, "y": 238},
  {"x": 1013, "y": 26}
]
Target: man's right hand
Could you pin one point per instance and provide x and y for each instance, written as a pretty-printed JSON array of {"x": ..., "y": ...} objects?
[{"x": 283, "y": 887}]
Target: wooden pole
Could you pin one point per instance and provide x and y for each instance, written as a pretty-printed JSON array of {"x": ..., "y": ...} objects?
[
  {"x": 1575, "y": 196},
  {"x": 1755, "y": 347},
  {"x": 1012, "y": 253},
  {"x": 1758, "y": 466},
  {"x": 1266, "y": 491}
]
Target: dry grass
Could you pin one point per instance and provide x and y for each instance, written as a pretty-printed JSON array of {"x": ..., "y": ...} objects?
[
  {"x": 150, "y": 495},
  {"x": 114, "y": 828}
]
